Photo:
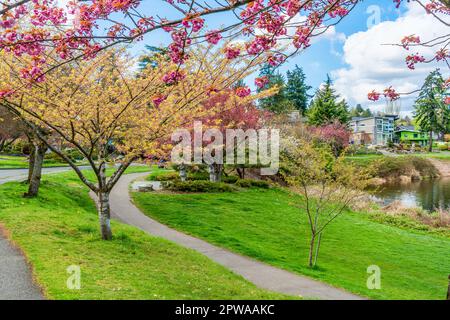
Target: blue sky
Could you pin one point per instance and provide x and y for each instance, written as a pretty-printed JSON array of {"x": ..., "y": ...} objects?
[
  {"x": 339, "y": 54},
  {"x": 326, "y": 55}
]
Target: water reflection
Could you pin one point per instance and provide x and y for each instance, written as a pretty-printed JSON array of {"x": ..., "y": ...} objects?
[{"x": 428, "y": 194}]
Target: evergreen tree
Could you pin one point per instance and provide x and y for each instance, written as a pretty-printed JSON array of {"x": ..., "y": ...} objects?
[
  {"x": 325, "y": 108},
  {"x": 239, "y": 83},
  {"x": 150, "y": 57},
  {"x": 431, "y": 112},
  {"x": 297, "y": 89},
  {"x": 367, "y": 113},
  {"x": 358, "y": 111},
  {"x": 278, "y": 103}
]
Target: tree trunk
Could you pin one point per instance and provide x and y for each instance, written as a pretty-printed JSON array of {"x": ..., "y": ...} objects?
[
  {"x": 311, "y": 250},
  {"x": 215, "y": 172},
  {"x": 183, "y": 174},
  {"x": 241, "y": 172},
  {"x": 35, "y": 176},
  {"x": 316, "y": 256},
  {"x": 430, "y": 147},
  {"x": 31, "y": 165},
  {"x": 104, "y": 213}
]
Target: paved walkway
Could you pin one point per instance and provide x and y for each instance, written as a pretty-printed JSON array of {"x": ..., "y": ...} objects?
[
  {"x": 16, "y": 281},
  {"x": 261, "y": 274},
  {"x": 7, "y": 175}
]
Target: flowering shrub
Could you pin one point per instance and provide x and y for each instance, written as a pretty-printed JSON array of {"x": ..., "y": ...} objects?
[{"x": 335, "y": 134}]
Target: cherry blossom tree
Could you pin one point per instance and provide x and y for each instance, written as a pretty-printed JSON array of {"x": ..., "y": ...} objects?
[
  {"x": 232, "y": 113},
  {"x": 28, "y": 28},
  {"x": 93, "y": 105},
  {"x": 439, "y": 9},
  {"x": 10, "y": 129}
]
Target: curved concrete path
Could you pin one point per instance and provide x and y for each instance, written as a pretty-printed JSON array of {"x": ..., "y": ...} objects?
[{"x": 261, "y": 274}]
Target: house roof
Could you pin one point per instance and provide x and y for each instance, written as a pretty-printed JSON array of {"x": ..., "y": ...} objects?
[
  {"x": 407, "y": 129},
  {"x": 374, "y": 117}
]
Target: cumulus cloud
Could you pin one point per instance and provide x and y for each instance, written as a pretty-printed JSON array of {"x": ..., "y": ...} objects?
[
  {"x": 328, "y": 34},
  {"x": 372, "y": 65}
]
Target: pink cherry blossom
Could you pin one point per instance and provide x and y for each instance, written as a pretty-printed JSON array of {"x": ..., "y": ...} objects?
[
  {"x": 243, "y": 92},
  {"x": 261, "y": 82}
]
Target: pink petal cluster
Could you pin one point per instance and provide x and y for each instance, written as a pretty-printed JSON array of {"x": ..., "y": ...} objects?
[
  {"x": 413, "y": 59},
  {"x": 302, "y": 37},
  {"x": 158, "y": 99},
  {"x": 408, "y": 40},
  {"x": 260, "y": 44},
  {"x": 232, "y": 52},
  {"x": 373, "y": 96},
  {"x": 213, "y": 37},
  {"x": 173, "y": 77},
  {"x": 243, "y": 92},
  {"x": 391, "y": 94},
  {"x": 275, "y": 60},
  {"x": 261, "y": 82}
]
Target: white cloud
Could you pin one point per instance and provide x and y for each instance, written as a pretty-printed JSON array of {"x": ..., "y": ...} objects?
[
  {"x": 372, "y": 65},
  {"x": 329, "y": 34}
]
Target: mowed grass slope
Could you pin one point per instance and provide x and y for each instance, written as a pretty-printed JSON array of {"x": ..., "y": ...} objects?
[
  {"x": 367, "y": 159},
  {"x": 17, "y": 162},
  {"x": 60, "y": 229},
  {"x": 264, "y": 225}
]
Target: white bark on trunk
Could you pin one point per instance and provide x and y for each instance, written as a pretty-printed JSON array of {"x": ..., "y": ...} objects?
[
  {"x": 215, "y": 172},
  {"x": 183, "y": 174}
]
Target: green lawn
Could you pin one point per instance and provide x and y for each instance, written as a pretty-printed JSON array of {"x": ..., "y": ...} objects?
[
  {"x": 263, "y": 224},
  {"x": 366, "y": 159},
  {"x": 60, "y": 228},
  {"x": 15, "y": 162},
  {"x": 444, "y": 155}
]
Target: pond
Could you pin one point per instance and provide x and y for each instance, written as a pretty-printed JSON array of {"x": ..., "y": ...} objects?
[{"x": 427, "y": 194}]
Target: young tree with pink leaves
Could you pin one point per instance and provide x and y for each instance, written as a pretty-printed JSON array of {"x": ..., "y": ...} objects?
[
  {"x": 336, "y": 135},
  {"x": 229, "y": 113}
]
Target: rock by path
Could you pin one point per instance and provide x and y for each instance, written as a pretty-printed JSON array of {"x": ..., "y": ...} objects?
[{"x": 261, "y": 274}]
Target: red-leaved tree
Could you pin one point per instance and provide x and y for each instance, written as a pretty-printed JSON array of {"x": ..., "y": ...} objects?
[{"x": 336, "y": 135}]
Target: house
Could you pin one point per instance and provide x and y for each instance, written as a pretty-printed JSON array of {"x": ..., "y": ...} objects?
[
  {"x": 408, "y": 135},
  {"x": 377, "y": 130}
]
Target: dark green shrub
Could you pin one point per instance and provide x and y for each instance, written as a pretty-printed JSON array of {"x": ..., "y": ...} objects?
[
  {"x": 199, "y": 175},
  {"x": 248, "y": 183},
  {"x": 52, "y": 158},
  {"x": 74, "y": 155},
  {"x": 199, "y": 186},
  {"x": 164, "y": 176},
  {"x": 230, "y": 179}
]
